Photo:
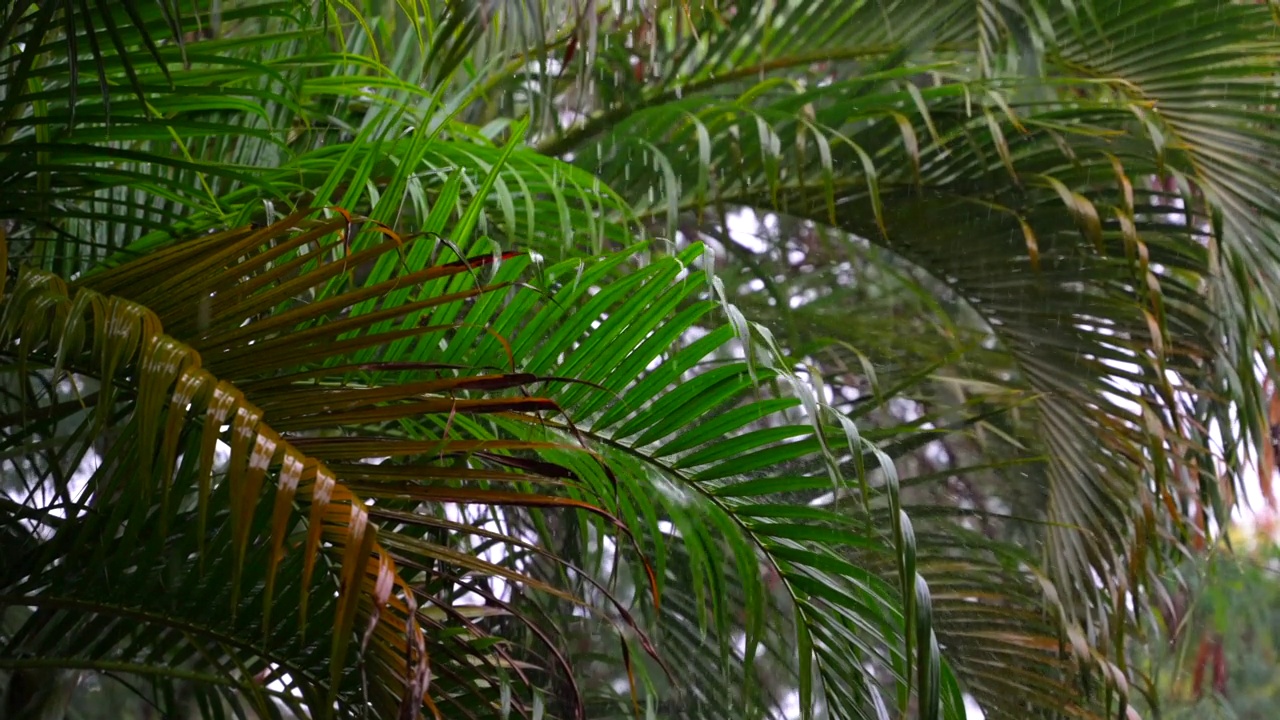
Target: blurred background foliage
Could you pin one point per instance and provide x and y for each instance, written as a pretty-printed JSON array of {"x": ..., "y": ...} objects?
[{"x": 1216, "y": 644}]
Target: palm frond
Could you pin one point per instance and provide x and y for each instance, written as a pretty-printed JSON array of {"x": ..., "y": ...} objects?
[
  {"x": 160, "y": 508},
  {"x": 738, "y": 476},
  {"x": 272, "y": 111},
  {"x": 1027, "y": 198}
]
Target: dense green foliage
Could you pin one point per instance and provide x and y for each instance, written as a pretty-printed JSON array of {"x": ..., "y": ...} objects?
[{"x": 822, "y": 358}]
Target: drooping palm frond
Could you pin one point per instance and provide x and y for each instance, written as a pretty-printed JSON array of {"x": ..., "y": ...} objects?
[
  {"x": 1027, "y": 196},
  {"x": 760, "y": 467},
  {"x": 138, "y": 525},
  {"x": 162, "y": 561}
]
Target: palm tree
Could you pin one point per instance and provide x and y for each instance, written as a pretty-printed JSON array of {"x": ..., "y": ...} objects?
[{"x": 367, "y": 358}]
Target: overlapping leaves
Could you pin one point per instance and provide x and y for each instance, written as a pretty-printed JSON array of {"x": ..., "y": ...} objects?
[
  {"x": 757, "y": 468},
  {"x": 999, "y": 151},
  {"x": 330, "y": 394},
  {"x": 164, "y": 557},
  {"x": 1024, "y": 194},
  {"x": 237, "y": 105}
]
